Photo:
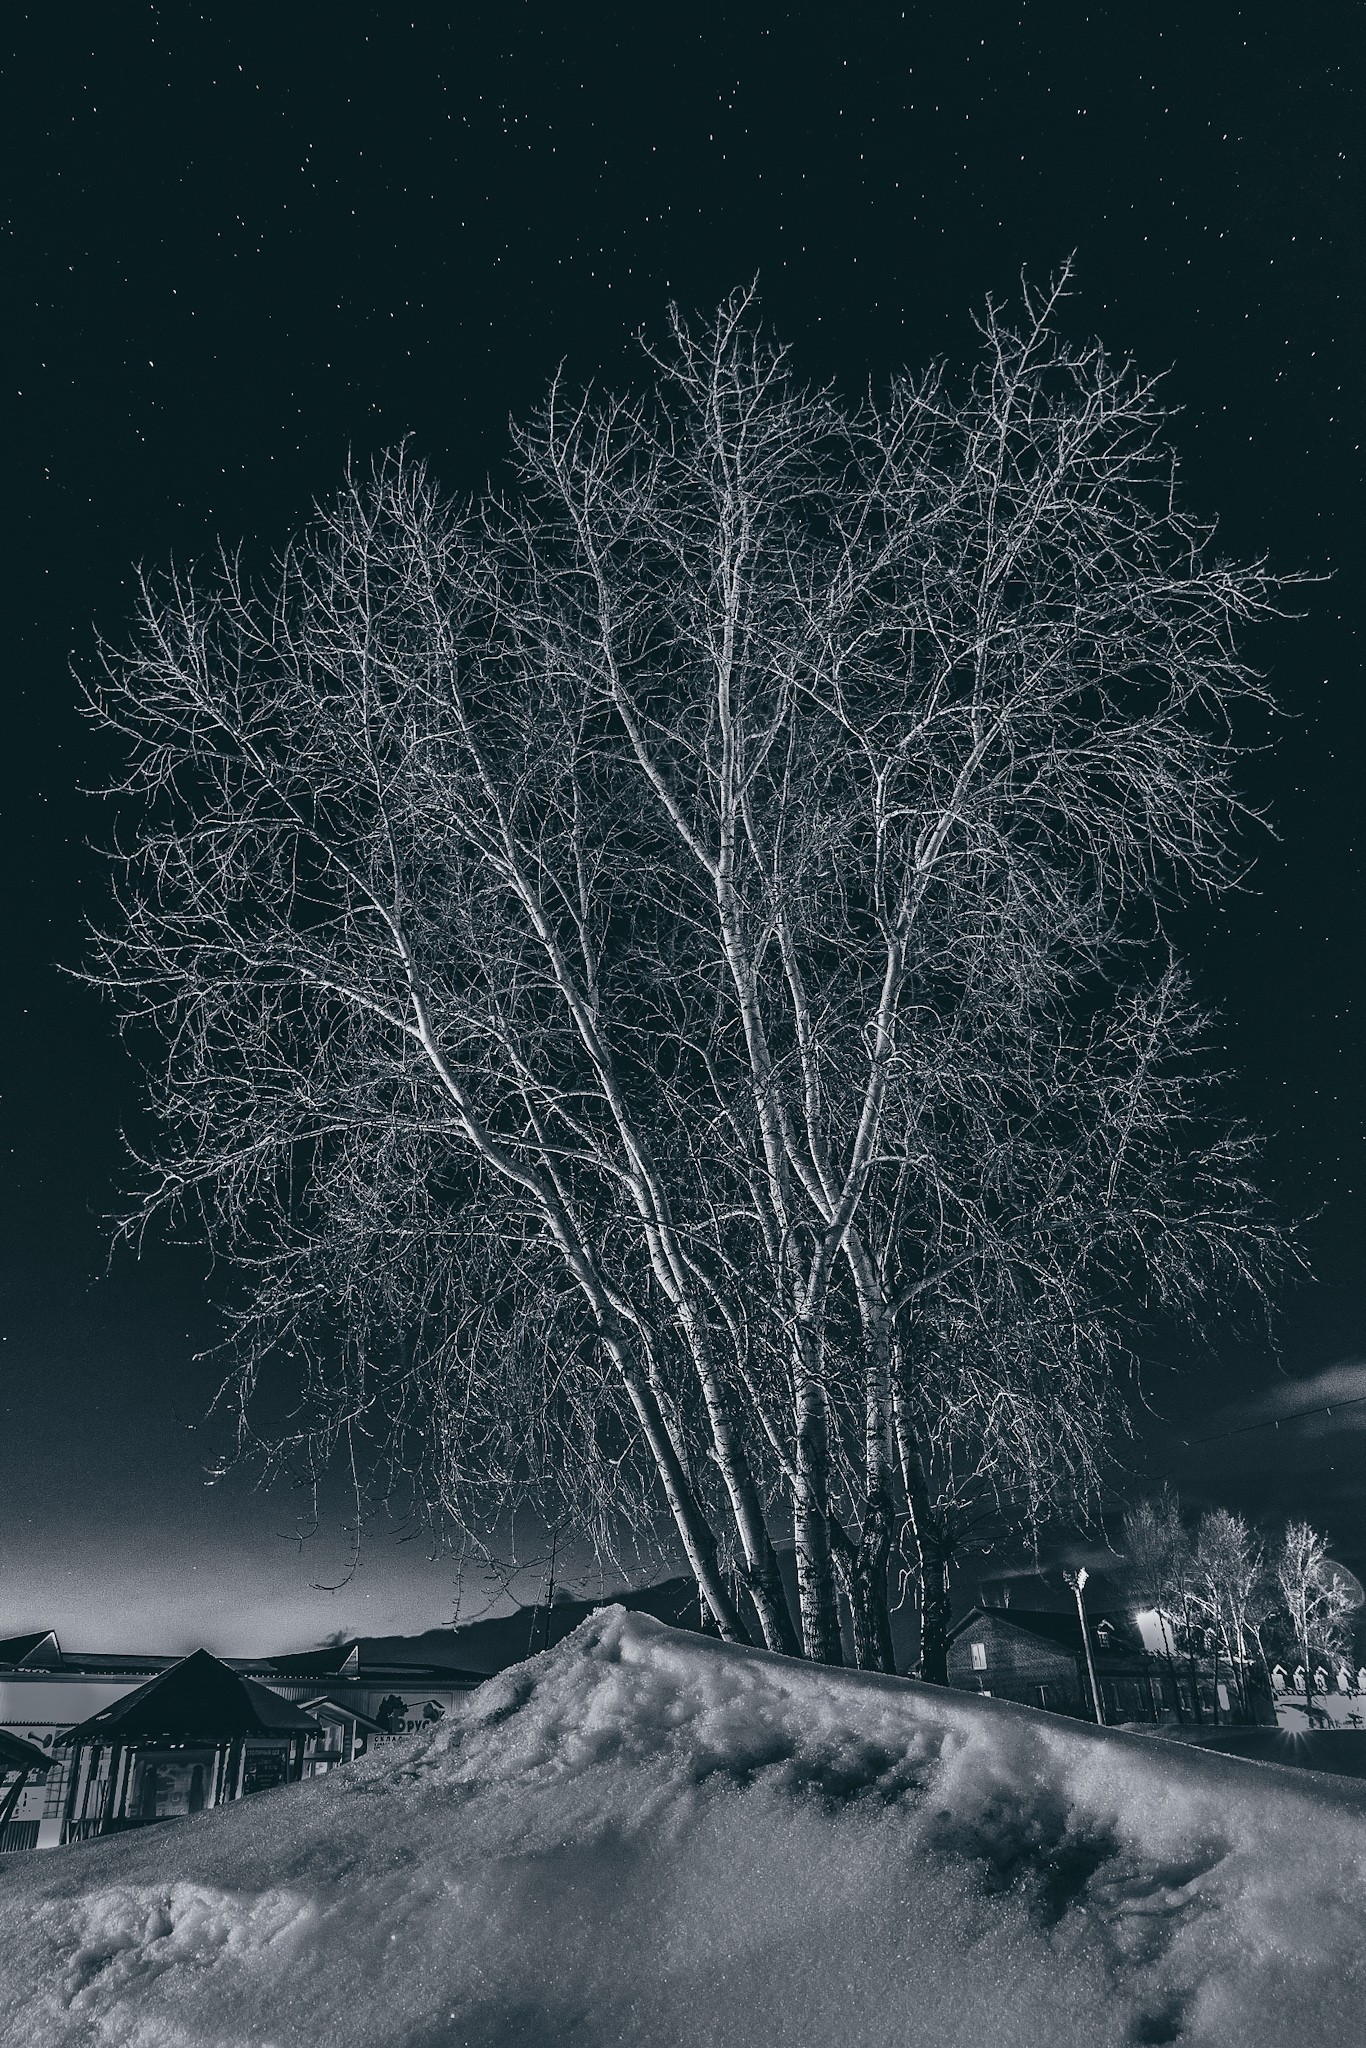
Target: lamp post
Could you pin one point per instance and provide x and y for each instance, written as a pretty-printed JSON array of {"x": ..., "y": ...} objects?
[{"x": 1077, "y": 1581}]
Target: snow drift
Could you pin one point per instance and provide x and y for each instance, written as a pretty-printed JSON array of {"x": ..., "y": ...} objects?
[{"x": 647, "y": 1837}]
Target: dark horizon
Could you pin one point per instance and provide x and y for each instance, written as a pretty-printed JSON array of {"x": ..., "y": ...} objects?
[{"x": 239, "y": 260}]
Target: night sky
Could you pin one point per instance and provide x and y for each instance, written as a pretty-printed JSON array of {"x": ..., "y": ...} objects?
[{"x": 241, "y": 244}]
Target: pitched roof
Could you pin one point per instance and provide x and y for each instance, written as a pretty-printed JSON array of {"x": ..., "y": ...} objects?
[
  {"x": 1062, "y": 1630},
  {"x": 353, "y": 1664},
  {"x": 39, "y": 1652},
  {"x": 339, "y": 1660},
  {"x": 115, "y": 1663},
  {"x": 18, "y": 1755},
  {"x": 197, "y": 1700},
  {"x": 324, "y": 1705}
]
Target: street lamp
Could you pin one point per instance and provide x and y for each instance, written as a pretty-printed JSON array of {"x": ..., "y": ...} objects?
[{"x": 1077, "y": 1581}]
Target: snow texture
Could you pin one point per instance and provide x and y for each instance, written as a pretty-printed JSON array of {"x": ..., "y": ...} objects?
[{"x": 647, "y": 1837}]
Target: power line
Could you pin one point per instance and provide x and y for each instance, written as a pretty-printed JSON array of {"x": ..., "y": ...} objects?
[{"x": 1274, "y": 1421}]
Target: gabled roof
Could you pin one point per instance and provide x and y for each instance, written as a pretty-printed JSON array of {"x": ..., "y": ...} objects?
[
  {"x": 353, "y": 1664},
  {"x": 1063, "y": 1631},
  {"x": 197, "y": 1700},
  {"x": 18, "y": 1755},
  {"x": 338, "y": 1660},
  {"x": 324, "y": 1705},
  {"x": 115, "y": 1663},
  {"x": 37, "y": 1652}
]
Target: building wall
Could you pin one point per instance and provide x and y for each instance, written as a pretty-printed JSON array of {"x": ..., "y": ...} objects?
[
  {"x": 1330, "y": 1708},
  {"x": 38, "y": 1705},
  {"x": 368, "y": 1695},
  {"x": 1018, "y": 1667},
  {"x": 1038, "y": 1673}
]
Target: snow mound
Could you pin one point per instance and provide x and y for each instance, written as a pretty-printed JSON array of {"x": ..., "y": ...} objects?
[{"x": 647, "y": 1837}]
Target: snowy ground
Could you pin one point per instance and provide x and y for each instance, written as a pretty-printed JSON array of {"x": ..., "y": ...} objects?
[{"x": 645, "y": 1837}]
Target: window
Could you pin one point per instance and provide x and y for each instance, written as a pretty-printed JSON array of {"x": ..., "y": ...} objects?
[
  {"x": 267, "y": 1766},
  {"x": 979, "y": 1656}
]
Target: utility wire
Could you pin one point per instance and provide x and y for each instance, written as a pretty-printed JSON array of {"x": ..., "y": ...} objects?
[{"x": 1275, "y": 1421}]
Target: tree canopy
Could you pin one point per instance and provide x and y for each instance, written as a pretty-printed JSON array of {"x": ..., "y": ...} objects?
[{"x": 662, "y": 978}]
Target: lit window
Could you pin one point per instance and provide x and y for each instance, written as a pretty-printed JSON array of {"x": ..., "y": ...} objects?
[{"x": 979, "y": 1656}]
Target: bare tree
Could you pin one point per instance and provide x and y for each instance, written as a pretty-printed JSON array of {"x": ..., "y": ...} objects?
[
  {"x": 1158, "y": 1551},
  {"x": 1231, "y": 1588},
  {"x": 662, "y": 981},
  {"x": 368, "y": 911},
  {"x": 1317, "y": 1599}
]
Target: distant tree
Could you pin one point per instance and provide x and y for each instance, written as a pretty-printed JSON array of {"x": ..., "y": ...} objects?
[
  {"x": 1261, "y": 1616},
  {"x": 1231, "y": 1588},
  {"x": 661, "y": 983},
  {"x": 1158, "y": 1554},
  {"x": 1316, "y": 1597}
]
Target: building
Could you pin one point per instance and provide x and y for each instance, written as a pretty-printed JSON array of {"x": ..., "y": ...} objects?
[
  {"x": 19, "y": 1761},
  {"x": 1039, "y": 1660},
  {"x": 43, "y": 1692},
  {"x": 1322, "y": 1700},
  {"x": 197, "y": 1736},
  {"x": 397, "y": 1697},
  {"x": 352, "y": 1699}
]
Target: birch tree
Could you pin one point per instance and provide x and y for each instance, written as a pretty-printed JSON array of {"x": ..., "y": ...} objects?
[
  {"x": 1231, "y": 1587},
  {"x": 1158, "y": 1551},
  {"x": 661, "y": 979},
  {"x": 1316, "y": 1599}
]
